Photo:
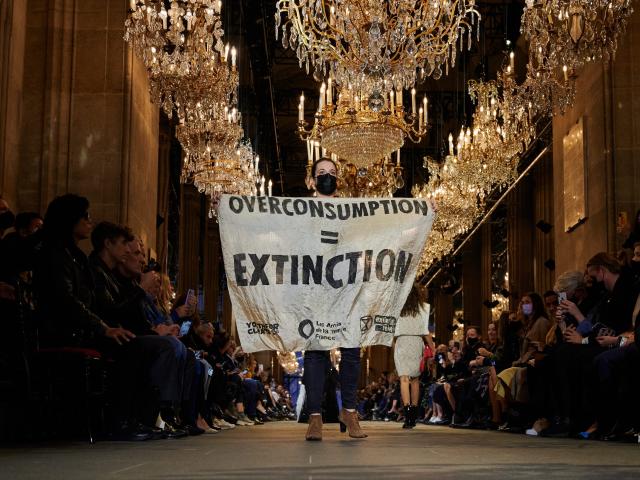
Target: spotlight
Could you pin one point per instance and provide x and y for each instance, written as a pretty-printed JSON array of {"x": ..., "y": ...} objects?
[{"x": 543, "y": 226}]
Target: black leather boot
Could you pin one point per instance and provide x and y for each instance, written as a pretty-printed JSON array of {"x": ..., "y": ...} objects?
[
  {"x": 414, "y": 415},
  {"x": 408, "y": 414}
]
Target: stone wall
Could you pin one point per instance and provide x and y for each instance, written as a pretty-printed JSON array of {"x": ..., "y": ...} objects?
[
  {"x": 574, "y": 248},
  {"x": 607, "y": 98},
  {"x": 86, "y": 124},
  {"x": 12, "y": 38}
]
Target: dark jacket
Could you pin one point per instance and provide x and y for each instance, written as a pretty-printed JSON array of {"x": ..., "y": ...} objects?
[
  {"x": 64, "y": 293},
  {"x": 112, "y": 304},
  {"x": 133, "y": 312},
  {"x": 617, "y": 308}
]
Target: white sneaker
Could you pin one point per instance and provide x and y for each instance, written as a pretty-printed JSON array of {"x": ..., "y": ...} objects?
[
  {"x": 244, "y": 421},
  {"x": 434, "y": 419},
  {"x": 532, "y": 432},
  {"x": 222, "y": 424}
]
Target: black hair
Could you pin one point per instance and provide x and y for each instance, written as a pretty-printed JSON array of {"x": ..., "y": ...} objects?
[
  {"x": 63, "y": 214},
  {"x": 109, "y": 231},
  {"x": 24, "y": 219},
  {"x": 323, "y": 159},
  {"x": 549, "y": 293},
  {"x": 416, "y": 298}
]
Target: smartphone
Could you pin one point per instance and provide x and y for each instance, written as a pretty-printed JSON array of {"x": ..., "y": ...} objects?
[
  {"x": 190, "y": 294},
  {"x": 185, "y": 327},
  {"x": 562, "y": 296}
]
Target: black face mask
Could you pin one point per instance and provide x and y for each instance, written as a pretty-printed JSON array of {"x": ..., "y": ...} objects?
[
  {"x": 7, "y": 219},
  {"x": 326, "y": 184},
  {"x": 472, "y": 341}
]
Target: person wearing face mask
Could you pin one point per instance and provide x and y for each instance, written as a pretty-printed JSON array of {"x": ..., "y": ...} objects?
[
  {"x": 534, "y": 319},
  {"x": 536, "y": 325},
  {"x": 467, "y": 390},
  {"x": 574, "y": 360},
  {"x": 317, "y": 363}
]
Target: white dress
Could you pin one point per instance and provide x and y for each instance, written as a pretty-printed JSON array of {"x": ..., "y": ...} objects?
[{"x": 409, "y": 347}]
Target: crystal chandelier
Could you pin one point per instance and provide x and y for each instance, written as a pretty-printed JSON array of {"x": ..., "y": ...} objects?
[
  {"x": 488, "y": 153},
  {"x": 208, "y": 139},
  {"x": 362, "y": 127},
  {"x": 485, "y": 157},
  {"x": 459, "y": 205},
  {"x": 564, "y": 35},
  {"x": 381, "y": 179},
  {"x": 180, "y": 43},
  {"x": 376, "y": 45}
]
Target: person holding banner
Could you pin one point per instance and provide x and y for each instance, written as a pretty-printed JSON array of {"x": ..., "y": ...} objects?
[
  {"x": 317, "y": 362},
  {"x": 409, "y": 350}
]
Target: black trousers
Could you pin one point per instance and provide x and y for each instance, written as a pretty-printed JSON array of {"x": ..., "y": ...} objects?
[
  {"x": 574, "y": 381},
  {"x": 148, "y": 371},
  {"x": 618, "y": 387}
]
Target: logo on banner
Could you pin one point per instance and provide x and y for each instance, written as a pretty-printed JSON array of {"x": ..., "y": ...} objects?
[
  {"x": 365, "y": 323},
  {"x": 385, "y": 324},
  {"x": 306, "y": 328}
]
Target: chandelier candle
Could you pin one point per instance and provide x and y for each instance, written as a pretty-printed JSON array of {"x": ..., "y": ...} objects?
[{"x": 413, "y": 101}]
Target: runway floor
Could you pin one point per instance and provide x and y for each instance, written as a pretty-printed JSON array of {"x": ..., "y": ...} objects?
[{"x": 277, "y": 451}]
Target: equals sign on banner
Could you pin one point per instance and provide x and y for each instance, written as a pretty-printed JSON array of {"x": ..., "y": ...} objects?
[{"x": 328, "y": 237}]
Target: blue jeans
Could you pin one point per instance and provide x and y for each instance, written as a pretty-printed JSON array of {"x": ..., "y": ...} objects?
[
  {"x": 251, "y": 391},
  {"x": 316, "y": 367}
]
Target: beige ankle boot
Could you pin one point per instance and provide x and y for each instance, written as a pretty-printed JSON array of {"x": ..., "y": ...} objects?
[
  {"x": 314, "y": 431},
  {"x": 350, "y": 419}
]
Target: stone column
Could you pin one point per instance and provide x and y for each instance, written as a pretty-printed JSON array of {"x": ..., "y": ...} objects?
[
  {"x": 520, "y": 240},
  {"x": 543, "y": 245},
  {"x": 472, "y": 281},
  {"x": 443, "y": 305},
  {"x": 574, "y": 248},
  {"x": 189, "y": 244},
  {"x": 485, "y": 274},
  {"x": 12, "y": 39},
  {"x": 211, "y": 280},
  {"x": 87, "y": 123}
]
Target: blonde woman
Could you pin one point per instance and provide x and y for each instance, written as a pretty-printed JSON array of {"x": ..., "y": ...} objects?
[{"x": 409, "y": 349}]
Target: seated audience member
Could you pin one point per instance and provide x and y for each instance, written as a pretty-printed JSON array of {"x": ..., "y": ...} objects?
[
  {"x": 550, "y": 298},
  {"x": 511, "y": 333},
  {"x": 18, "y": 249},
  {"x": 470, "y": 393},
  {"x": 232, "y": 360},
  {"x": 574, "y": 371},
  {"x": 184, "y": 312},
  {"x": 150, "y": 358},
  {"x": 511, "y": 381},
  {"x": 579, "y": 307},
  {"x": 634, "y": 234},
  {"x": 178, "y": 406},
  {"x": 199, "y": 340},
  {"x": 63, "y": 281}
]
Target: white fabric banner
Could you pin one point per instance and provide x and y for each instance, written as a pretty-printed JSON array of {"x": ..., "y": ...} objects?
[{"x": 317, "y": 274}]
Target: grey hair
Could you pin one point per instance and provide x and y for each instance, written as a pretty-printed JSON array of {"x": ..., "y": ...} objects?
[
  {"x": 568, "y": 281},
  {"x": 204, "y": 326}
]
